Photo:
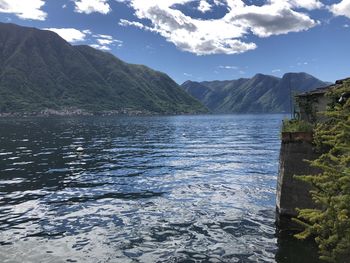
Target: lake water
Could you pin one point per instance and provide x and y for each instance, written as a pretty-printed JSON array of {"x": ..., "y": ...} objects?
[{"x": 145, "y": 189}]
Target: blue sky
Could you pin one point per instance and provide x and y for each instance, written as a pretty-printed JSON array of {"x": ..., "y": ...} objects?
[{"x": 204, "y": 39}]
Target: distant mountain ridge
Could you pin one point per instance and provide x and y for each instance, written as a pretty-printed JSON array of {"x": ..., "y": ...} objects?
[
  {"x": 39, "y": 70},
  {"x": 260, "y": 94}
]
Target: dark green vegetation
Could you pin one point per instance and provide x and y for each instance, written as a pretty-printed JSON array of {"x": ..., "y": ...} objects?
[
  {"x": 260, "y": 94},
  {"x": 39, "y": 70},
  {"x": 296, "y": 126},
  {"x": 330, "y": 224}
]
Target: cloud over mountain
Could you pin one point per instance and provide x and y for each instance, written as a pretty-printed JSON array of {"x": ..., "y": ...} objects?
[
  {"x": 70, "y": 34},
  {"x": 202, "y": 37},
  {"x": 98, "y": 41}
]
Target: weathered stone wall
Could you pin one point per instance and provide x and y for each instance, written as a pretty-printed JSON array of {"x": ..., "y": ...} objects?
[
  {"x": 310, "y": 108},
  {"x": 291, "y": 192}
]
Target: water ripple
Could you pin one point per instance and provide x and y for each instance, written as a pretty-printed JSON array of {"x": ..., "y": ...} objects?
[{"x": 152, "y": 189}]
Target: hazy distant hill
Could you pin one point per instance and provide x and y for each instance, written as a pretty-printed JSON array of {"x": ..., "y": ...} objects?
[
  {"x": 262, "y": 93},
  {"x": 40, "y": 70}
]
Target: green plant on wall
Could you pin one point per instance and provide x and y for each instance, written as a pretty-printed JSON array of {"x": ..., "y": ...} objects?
[
  {"x": 308, "y": 104},
  {"x": 296, "y": 126},
  {"x": 329, "y": 225}
]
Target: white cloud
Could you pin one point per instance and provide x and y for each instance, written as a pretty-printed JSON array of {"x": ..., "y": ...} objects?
[
  {"x": 276, "y": 70},
  {"x": 219, "y": 2},
  {"x": 99, "y": 41},
  {"x": 303, "y": 63},
  {"x": 124, "y": 22},
  {"x": 341, "y": 9},
  {"x": 69, "y": 34},
  {"x": 227, "y": 35},
  {"x": 307, "y": 4},
  {"x": 101, "y": 47},
  {"x": 228, "y": 67},
  {"x": 104, "y": 42},
  {"x": 91, "y": 6},
  {"x": 87, "y": 31},
  {"x": 204, "y": 6},
  {"x": 24, "y": 9},
  {"x": 104, "y": 36},
  {"x": 272, "y": 19}
]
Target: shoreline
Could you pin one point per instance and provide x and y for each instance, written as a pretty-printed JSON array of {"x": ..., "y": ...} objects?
[
  {"x": 124, "y": 112},
  {"x": 77, "y": 113}
]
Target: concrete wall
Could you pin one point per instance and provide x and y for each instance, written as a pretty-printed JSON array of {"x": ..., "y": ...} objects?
[{"x": 293, "y": 193}]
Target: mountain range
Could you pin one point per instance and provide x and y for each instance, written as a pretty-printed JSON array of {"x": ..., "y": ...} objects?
[
  {"x": 260, "y": 94},
  {"x": 39, "y": 70}
]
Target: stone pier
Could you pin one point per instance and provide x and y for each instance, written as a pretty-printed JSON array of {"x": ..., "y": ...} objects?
[{"x": 292, "y": 193}]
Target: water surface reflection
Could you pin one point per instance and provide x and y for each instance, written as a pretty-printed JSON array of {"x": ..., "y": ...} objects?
[{"x": 145, "y": 189}]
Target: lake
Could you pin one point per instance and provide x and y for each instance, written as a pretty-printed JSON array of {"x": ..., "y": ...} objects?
[{"x": 145, "y": 189}]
